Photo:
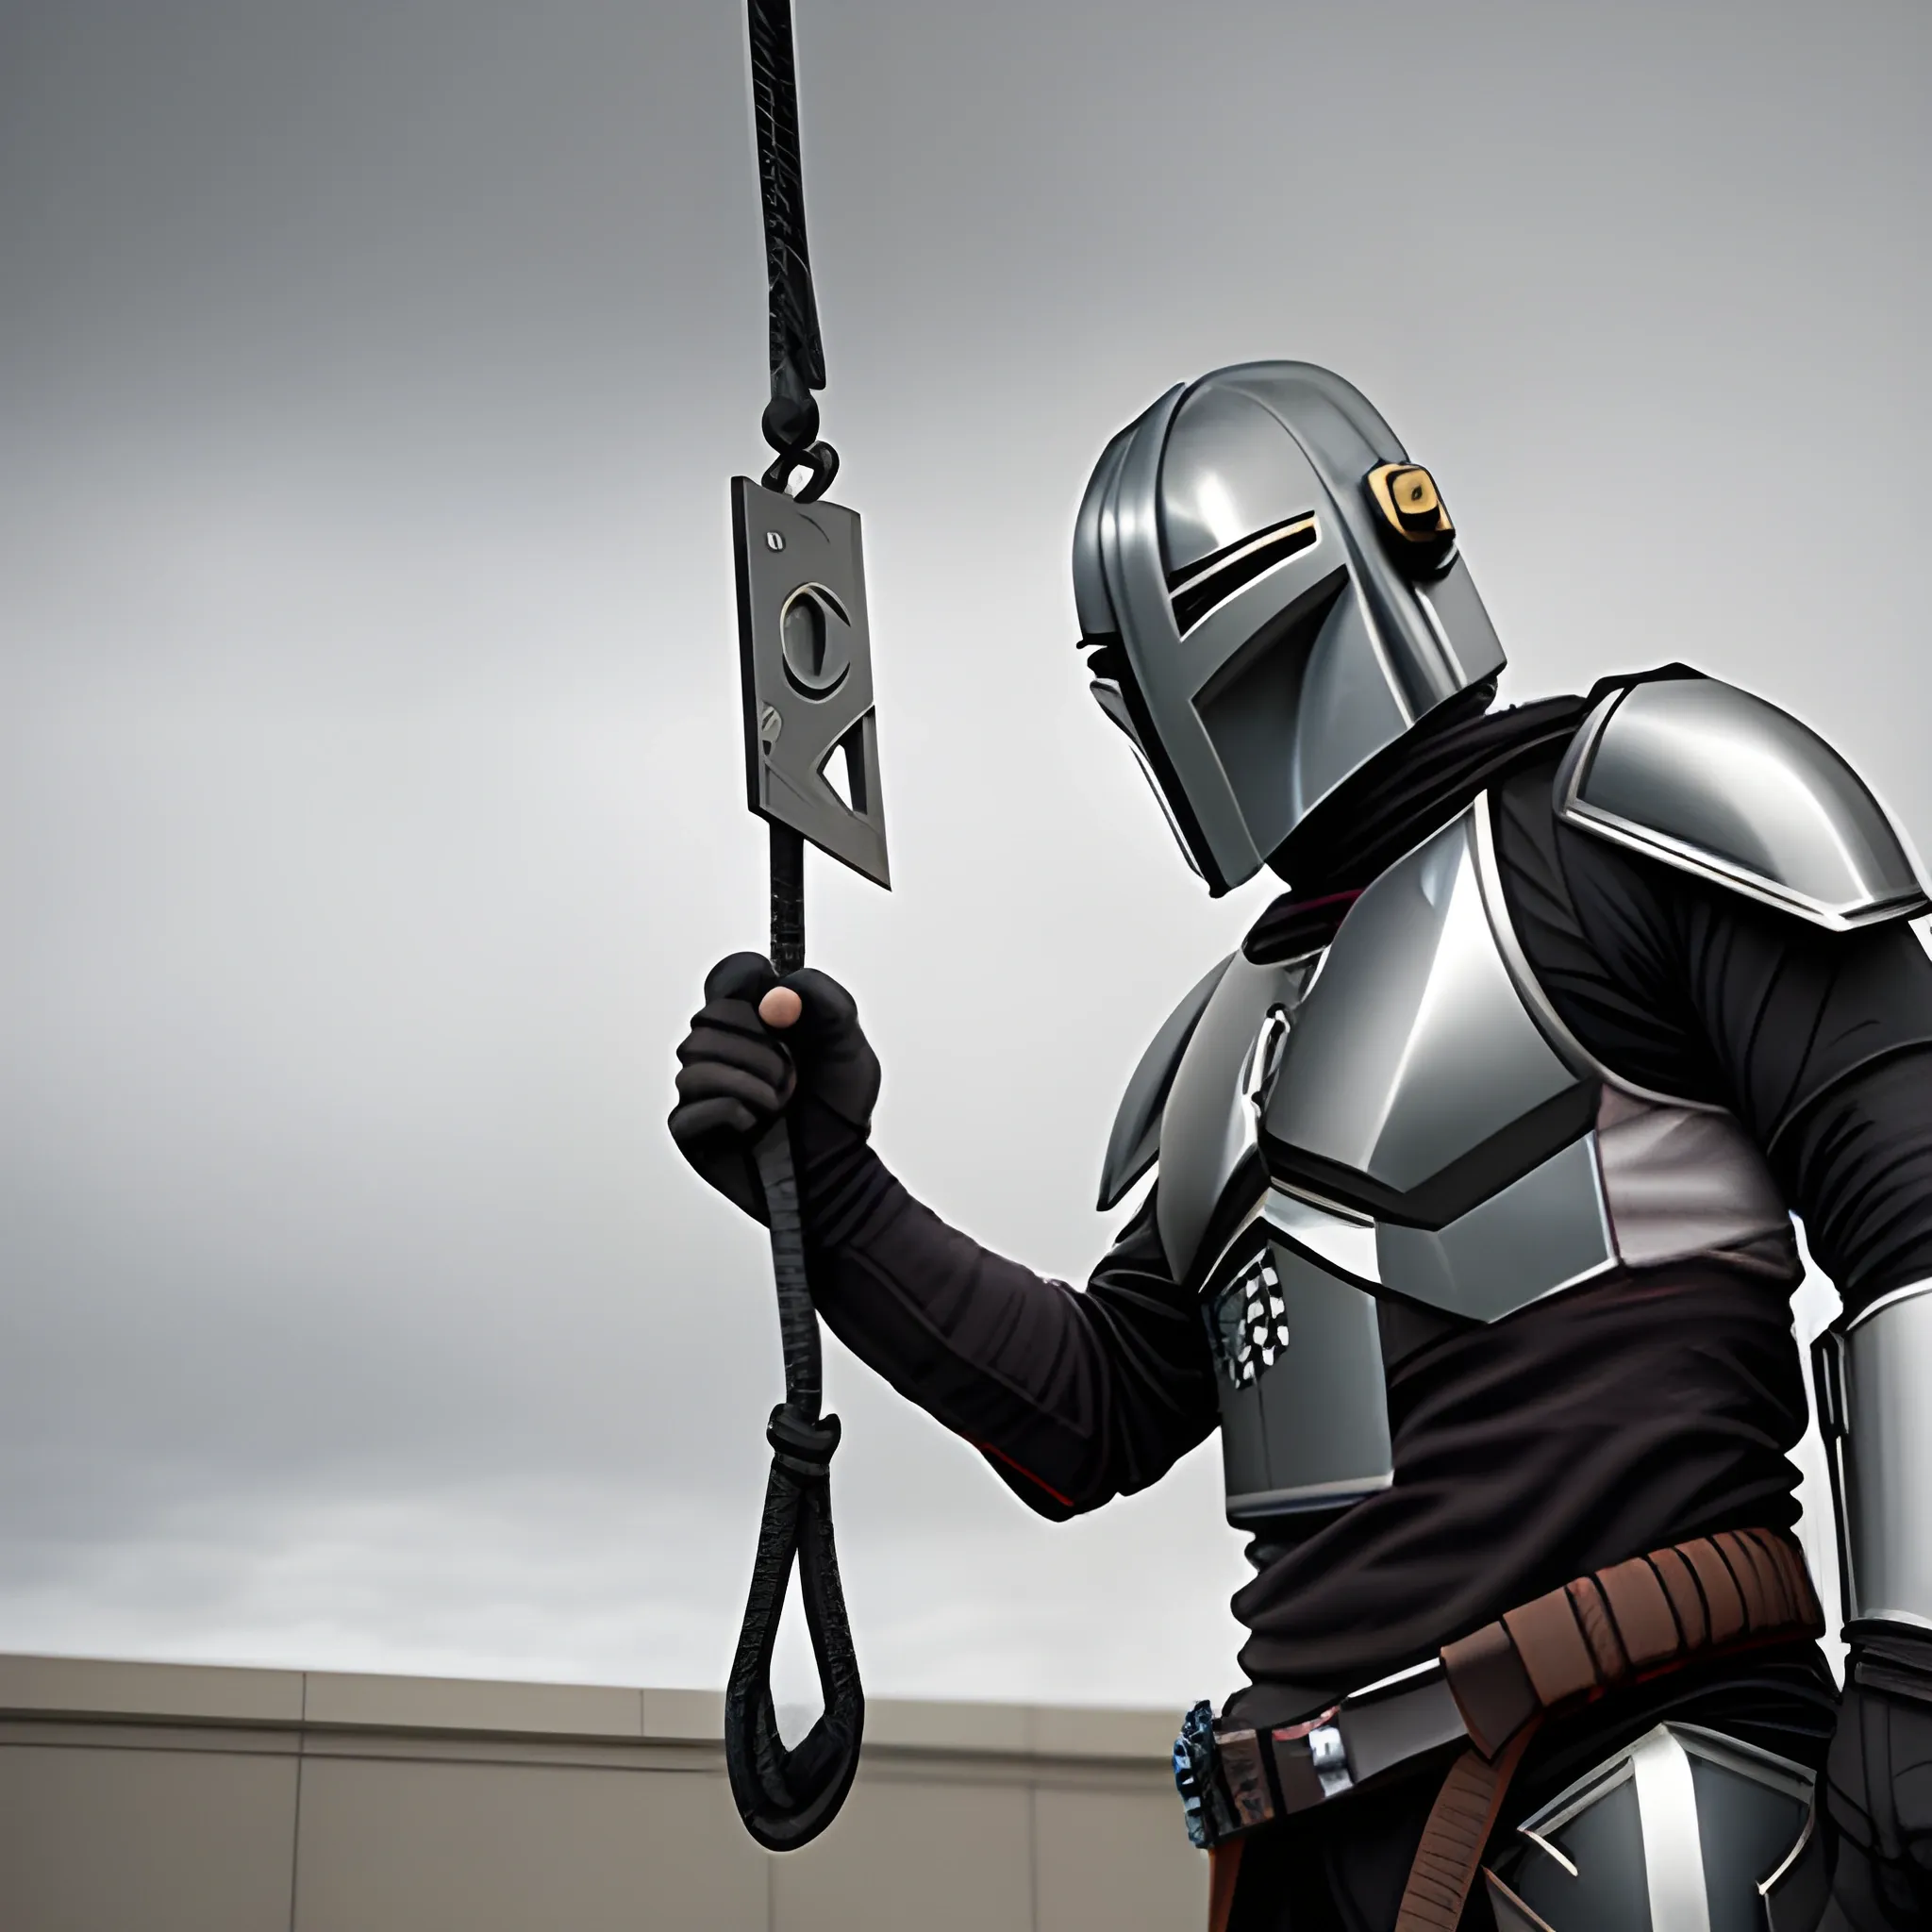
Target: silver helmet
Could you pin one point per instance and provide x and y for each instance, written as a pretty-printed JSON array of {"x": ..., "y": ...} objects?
[{"x": 1272, "y": 594}]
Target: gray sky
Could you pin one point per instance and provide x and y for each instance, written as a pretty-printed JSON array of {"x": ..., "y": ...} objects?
[{"x": 370, "y": 794}]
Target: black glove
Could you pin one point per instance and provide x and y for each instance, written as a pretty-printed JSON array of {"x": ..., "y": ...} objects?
[
  {"x": 1878, "y": 1784},
  {"x": 737, "y": 1074}
]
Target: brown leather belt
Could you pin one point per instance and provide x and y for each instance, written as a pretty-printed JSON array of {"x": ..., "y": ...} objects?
[{"x": 1711, "y": 1597}]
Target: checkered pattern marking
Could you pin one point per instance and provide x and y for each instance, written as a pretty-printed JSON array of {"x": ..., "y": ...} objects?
[{"x": 1249, "y": 1321}]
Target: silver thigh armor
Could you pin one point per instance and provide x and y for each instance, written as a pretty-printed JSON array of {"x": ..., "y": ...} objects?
[{"x": 1685, "y": 1830}]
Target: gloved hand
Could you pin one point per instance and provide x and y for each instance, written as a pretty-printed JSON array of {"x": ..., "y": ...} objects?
[
  {"x": 759, "y": 1047},
  {"x": 1878, "y": 1787}
]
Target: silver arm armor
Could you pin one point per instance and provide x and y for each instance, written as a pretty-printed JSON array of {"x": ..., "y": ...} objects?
[
  {"x": 1874, "y": 1380},
  {"x": 1706, "y": 778}
]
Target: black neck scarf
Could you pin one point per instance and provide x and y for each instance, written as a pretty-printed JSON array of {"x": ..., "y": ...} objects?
[
  {"x": 1394, "y": 802},
  {"x": 1405, "y": 793}
]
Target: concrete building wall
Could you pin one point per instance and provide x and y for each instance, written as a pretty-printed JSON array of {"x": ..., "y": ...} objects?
[{"x": 172, "y": 1798}]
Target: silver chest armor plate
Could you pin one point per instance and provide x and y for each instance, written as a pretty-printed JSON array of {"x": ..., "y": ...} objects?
[{"x": 1403, "y": 1118}]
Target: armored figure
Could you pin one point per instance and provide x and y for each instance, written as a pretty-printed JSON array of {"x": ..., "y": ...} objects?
[{"x": 1470, "y": 1226}]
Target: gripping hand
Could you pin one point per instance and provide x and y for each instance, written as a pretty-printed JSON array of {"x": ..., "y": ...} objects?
[{"x": 761, "y": 1047}]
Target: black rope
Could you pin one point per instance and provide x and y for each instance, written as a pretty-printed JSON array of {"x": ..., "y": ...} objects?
[
  {"x": 788, "y": 899},
  {"x": 788, "y": 1794},
  {"x": 791, "y": 422}
]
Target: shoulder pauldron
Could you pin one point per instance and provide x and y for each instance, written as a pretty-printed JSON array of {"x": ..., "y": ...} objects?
[
  {"x": 1705, "y": 777},
  {"x": 1133, "y": 1146}
]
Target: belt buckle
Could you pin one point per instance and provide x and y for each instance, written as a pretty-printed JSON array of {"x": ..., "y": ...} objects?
[
  {"x": 1311, "y": 1760},
  {"x": 1235, "y": 1781},
  {"x": 1328, "y": 1754}
]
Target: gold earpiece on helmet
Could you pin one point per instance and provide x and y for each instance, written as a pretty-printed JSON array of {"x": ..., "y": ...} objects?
[{"x": 1413, "y": 511}]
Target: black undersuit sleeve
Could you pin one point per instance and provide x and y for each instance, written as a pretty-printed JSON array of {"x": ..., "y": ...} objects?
[
  {"x": 1073, "y": 1396},
  {"x": 1821, "y": 1042}
]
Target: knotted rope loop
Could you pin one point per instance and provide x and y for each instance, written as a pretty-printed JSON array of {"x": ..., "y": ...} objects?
[
  {"x": 787, "y": 1796},
  {"x": 801, "y": 1445}
]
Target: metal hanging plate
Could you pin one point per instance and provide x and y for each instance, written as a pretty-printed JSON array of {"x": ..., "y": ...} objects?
[{"x": 810, "y": 735}]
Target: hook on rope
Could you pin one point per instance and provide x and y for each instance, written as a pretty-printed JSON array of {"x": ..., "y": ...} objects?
[{"x": 791, "y": 425}]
